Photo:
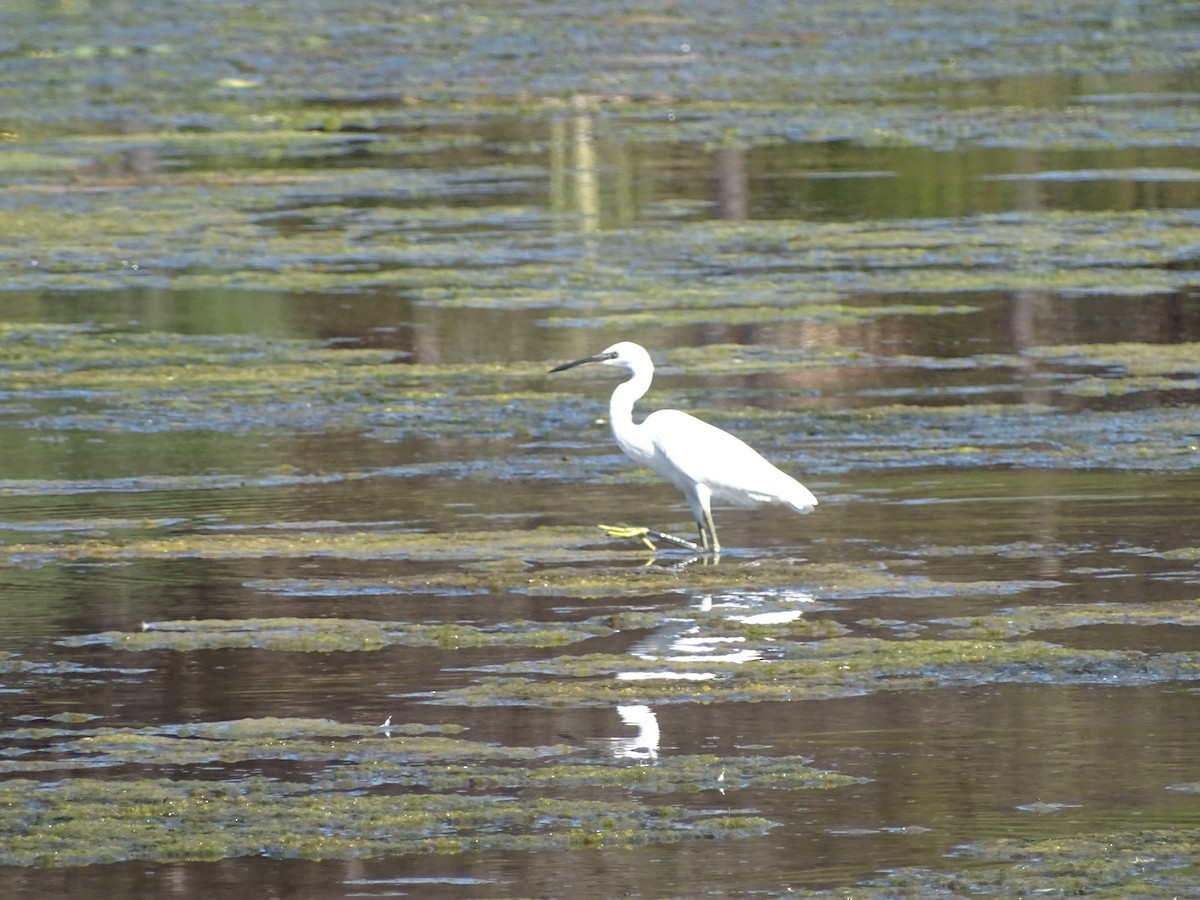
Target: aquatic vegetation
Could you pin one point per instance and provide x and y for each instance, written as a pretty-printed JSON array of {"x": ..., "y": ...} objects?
[
  {"x": 1148, "y": 862},
  {"x": 327, "y": 635},
  {"x": 87, "y": 821},
  {"x": 562, "y": 562},
  {"x": 1128, "y": 368},
  {"x": 1180, "y": 553},
  {"x": 188, "y": 238},
  {"x": 86, "y": 379},
  {"x": 347, "y": 811},
  {"x": 823, "y": 669},
  {"x": 1028, "y": 619},
  {"x": 286, "y": 739},
  {"x": 1127, "y": 359},
  {"x": 676, "y": 74},
  {"x": 831, "y": 314}
]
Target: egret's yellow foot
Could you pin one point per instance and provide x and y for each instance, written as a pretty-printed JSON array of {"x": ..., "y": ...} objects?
[{"x": 628, "y": 531}]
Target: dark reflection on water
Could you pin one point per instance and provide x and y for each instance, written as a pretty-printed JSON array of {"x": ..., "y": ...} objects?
[{"x": 1000, "y": 323}]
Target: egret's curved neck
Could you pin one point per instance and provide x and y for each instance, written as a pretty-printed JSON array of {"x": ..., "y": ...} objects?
[{"x": 620, "y": 409}]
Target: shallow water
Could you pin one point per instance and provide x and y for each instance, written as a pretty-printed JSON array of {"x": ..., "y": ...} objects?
[{"x": 301, "y": 586}]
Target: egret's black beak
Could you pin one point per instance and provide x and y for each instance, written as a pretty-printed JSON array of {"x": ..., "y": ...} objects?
[{"x": 599, "y": 357}]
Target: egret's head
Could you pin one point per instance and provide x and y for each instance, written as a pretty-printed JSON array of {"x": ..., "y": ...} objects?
[{"x": 624, "y": 354}]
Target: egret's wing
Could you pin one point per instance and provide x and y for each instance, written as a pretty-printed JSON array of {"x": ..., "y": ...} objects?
[{"x": 692, "y": 450}]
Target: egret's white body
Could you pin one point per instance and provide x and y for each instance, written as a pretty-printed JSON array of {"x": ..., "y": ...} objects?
[{"x": 704, "y": 462}]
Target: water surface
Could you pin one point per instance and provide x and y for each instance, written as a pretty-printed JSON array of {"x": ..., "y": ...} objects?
[{"x": 302, "y": 589}]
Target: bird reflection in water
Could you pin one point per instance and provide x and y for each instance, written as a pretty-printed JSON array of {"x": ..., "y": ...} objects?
[{"x": 643, "y": 745}]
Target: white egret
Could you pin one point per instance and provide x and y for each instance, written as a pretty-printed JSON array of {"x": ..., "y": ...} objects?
[{"x": 700, "y": 459}]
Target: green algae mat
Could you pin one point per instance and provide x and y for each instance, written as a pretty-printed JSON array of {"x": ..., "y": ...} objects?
[{"x": 459, "y": 795}]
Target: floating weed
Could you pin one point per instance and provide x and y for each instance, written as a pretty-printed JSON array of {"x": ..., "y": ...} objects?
[
  {"x": 225, "y": 383},
  {"x": 86, "y": 379},
  {"x": 310, "y": 543},
  {"x": 863, "y": 85},
  {"x": 184, "y": 235},
  {"x": 823, "y": 313},
  {"x": 1128, "y": 367},
  {"x": 1148, "y": 862},
  {"x": 279, "y": 728},
  {"x": 412, "y": 754},
  {"x": 74, "y": 718},
  {"x": 1026, "y": 619},
  {"x": 79, "y": 821},
  {"x": 24, "y": 162},
  {"x": 1129, "y": 358},
  {"x": 350, "y": 807},
  {"x": 574, "y": 580},
  {"x": 262, "y": 144},
  {"x": 246, "y": 740},
  {"x": 834, "y": 667},
  {"x": 1157, "y": 438},
  {"x": 669, "y": 775},
  {"x": 11, "y": 663},
  {"x": 361, "y": 635},
  {"x": 325, "y": 635},
  {"x": 1187, "y": 554},
  {"x": 749, "y": 359},
  {"x": 544, "y": 561}
]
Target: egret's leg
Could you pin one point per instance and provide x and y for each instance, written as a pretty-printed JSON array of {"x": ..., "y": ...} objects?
[
  {"x": 697, "y": 498},
  {"x": 708, "y": 531},
  {"x": 712, "y": 531}
]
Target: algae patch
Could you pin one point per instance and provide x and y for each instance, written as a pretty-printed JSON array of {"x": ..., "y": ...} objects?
[
  {"x": 823, "y": 669},
  {"x": 1129, "y": 358},
  {"x": 298, "y": 635},
  {"x": 468, "y": 795},
  {"x": 1149, "y": 862},
  {"x": 301, "y": 542},
  {"x": 1126, "y": 368},
  {"x": 1026, "y": 619},
  {"x": 81, "y": 380},
  {"x": 152, "y": 382},
  {"x": 79, "y": 822}
]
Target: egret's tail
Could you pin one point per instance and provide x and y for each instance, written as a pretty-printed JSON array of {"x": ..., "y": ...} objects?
[{"x": 801, "y": 499}]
